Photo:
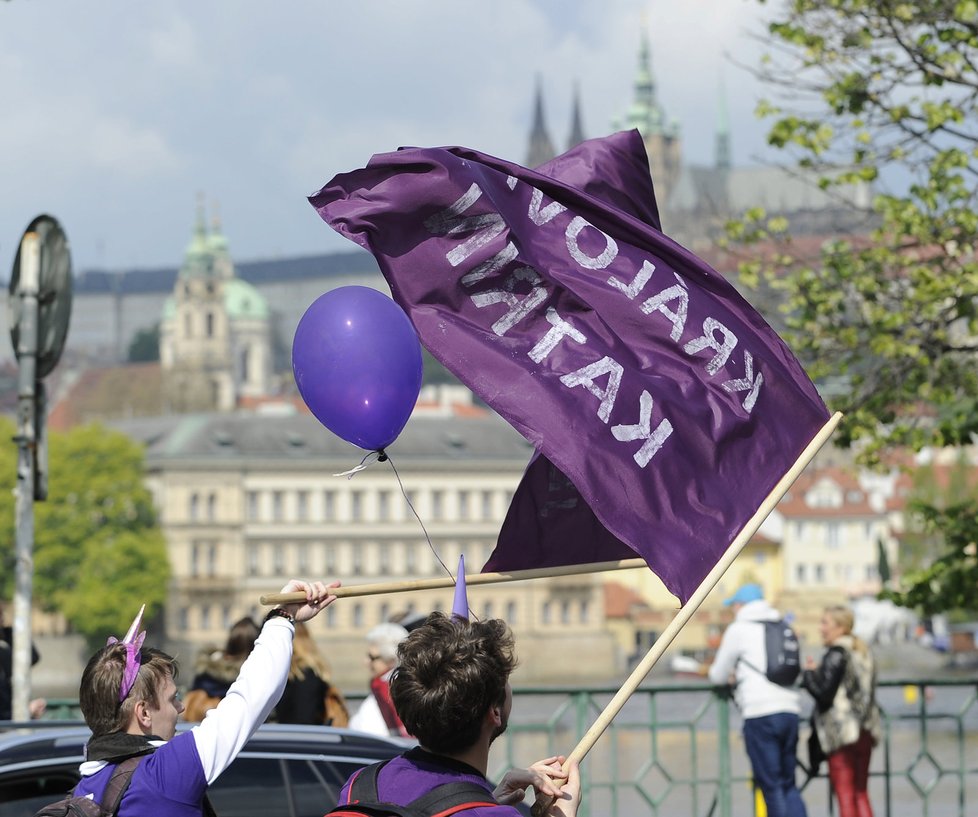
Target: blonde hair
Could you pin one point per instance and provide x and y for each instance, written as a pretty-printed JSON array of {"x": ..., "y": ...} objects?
[
  {"x": 843, "y": 617},
  {"x": 306, "y": 655}
]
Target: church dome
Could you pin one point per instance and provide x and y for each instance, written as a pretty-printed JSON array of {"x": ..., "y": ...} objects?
[{"x": 242, "y": 300}]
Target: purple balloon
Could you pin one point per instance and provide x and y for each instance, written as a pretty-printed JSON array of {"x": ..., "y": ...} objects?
[{"x": 357, "y": 362}]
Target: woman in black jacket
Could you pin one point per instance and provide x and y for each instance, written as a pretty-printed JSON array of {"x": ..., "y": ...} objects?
[{"x": 846, "y": 716}]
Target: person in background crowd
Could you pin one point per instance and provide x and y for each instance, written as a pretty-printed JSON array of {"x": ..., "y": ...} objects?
[
  {"x": 770, "y": 711},
  {"x": 37, "y": 706},
  {"x": 846, "y": 718},
  {"x": 309, "y": 695},
  {"x": 215, "y": 671},
  {"x": 376, "y": 714}
]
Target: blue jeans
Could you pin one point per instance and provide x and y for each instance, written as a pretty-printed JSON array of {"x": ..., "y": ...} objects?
[{"x": 771, "y": 743}]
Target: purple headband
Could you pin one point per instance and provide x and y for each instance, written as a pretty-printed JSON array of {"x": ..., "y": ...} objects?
[{"x": 132, "y": 642}]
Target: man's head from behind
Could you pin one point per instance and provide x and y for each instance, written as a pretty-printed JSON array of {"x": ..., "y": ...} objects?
[
  {"x": 101, "y": 682},
  {"x": 452, "y": 672}
]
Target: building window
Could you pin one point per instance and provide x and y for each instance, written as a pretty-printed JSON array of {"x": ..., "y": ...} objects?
[
  {"x": 226, "y": 617},
  {"x": 547, "y": 612},
  {"x": 487, "y": 610},
  {"x": 195, "y": 559},
  {"x": 205, "y": 616},
  {"x": 565, "y": 612},
  {"x": 820, "y": 574},
  {"x": 358, "y": 615},
  {"x": 511, "y": 613},
  {"x": 303, "y": 564},
  {"x": 252, "y": 506},
  {"x": 487, "y": 504},
  {"x": 210, "y": 324},
  {"x": 212, "y": 560},
  {"x": 384, "y": 506},
  {"x": 252, "y": 560},
  {"x": 183, "y": 619},
  {"x": 357, "y": 561},
  {"x": 437, "y": 504},
  {"x": 410, "y": 558},
  {"x": 278, "y": 506},
  {"x": 411, "y": 499},
  {"x": 463, "y": 505},
  {"x": 385, "y": 611},
  {"x": 331, "y": 559},
  {"x": 194, "y": 508},
  {"x": 278, "y": 560},
  {"x": 356, "y": 505},
  {"x": 832, "y": 535},
  {"x": 799, "y": 529},
  {"x": 329, "y": 505},
  {"x": 801, "y": 574},
  {"x": 585, "y": 610},
  {"x": 384, "y": 558},
  {"x": 211, "y": 507},
  {"x": 302, "y": 506}
]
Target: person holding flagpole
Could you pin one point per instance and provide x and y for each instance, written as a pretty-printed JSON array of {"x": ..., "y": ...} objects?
[
  {"x": 129, "y": 699},
  {"x": 451, "y": 689}
]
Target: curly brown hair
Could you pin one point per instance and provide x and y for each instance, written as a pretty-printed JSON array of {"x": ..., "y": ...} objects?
[{"x": 451, "y": 672}]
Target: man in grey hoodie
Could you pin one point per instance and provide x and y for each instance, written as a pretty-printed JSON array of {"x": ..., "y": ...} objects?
[{"x": 770, "y": 711}]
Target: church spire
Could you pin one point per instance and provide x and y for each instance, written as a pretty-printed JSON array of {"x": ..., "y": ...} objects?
[
  {"x": 723, "y": 158},
  {"x": 541, "y": 148},
  {"x": 577, "y": 128}
]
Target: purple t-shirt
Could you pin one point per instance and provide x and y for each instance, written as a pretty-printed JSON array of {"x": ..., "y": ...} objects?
[
  {"x": 169, "y": 782},
  {"x": 416, "y": 772}
]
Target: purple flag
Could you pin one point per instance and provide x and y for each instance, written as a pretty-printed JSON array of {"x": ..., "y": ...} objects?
[{"x": 634, "y": 368}]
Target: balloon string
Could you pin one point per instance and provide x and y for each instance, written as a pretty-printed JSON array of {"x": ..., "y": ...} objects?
[
  {"x": 416, "y": 516},
  {"x": 379, "y": 456}
]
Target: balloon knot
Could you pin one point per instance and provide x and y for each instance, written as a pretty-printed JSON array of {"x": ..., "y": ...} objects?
[{"x": 381, "y": 455}]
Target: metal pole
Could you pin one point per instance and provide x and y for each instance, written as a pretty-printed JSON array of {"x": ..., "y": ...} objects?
[{"x": 30, "y": 265}]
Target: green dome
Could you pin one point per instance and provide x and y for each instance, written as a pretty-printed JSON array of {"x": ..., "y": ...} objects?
[{"x": 242, "y": 300}]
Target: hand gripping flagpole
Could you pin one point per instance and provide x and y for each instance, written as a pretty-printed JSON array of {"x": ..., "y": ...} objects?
[{"x": 542, "y": 804}]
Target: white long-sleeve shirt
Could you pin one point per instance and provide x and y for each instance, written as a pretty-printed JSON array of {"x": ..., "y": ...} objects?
[{"x": 743, "y": 643}]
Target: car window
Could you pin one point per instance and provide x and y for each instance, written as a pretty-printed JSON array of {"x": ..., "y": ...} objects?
[
  {"x": 293, "y": 787},
  {"x": 23, "y": 793}
]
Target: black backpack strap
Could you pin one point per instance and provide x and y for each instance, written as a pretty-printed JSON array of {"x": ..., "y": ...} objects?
[
  {"x": 449, "y": 798},
  {"x": 364, "y": 785},
  {"x": 118, "y": 783}
]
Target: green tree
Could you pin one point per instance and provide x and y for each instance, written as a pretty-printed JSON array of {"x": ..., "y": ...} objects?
[
  {"x": 98, "y": 550},
  {"x": 145, "y": 345},
  {"x": 884, "y": 92}
]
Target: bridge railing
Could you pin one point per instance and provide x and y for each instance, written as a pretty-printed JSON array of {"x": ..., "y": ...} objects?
[{"x": 677, "y": 749}]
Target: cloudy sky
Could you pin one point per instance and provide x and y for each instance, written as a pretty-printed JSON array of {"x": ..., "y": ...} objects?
[{"x": 115, "y": 115}]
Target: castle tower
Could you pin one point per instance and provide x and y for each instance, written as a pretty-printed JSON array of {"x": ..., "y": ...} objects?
[
  {"x": 577, "y": 128},
  {"x": 215, "y": 342},
  {"x": 661, "y": 137},
  {"x": 541, "y": 148}
]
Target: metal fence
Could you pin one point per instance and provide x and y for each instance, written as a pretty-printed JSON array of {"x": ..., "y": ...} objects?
[{"x": 677, "y": 749}]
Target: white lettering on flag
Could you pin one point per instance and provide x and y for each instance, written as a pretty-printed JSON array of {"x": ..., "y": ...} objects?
[
  {"x": 586, "y": 377},
  {"x": 560, "y": 329},
  {"x": 519, "y": 306},
  {"x": 677, "y": 317},
  {"x": 547, "y": 214},
  {"x": 638, "y": 282},
  {"x": 600, "y": 261},
  {"x": 642, "y": 430},
  {"x": 451, "y": 222},
  {"x": 747, "y": 382},
  {"x": 722, "y": 347}
]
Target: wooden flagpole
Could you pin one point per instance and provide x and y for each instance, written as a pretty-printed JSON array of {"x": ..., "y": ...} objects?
[
  {"x": 470, "y": 579},
  {"x": 542, "y": 805}
]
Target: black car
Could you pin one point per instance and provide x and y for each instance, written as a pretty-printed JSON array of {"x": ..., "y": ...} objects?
[{"x": 293, "y": 771}]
